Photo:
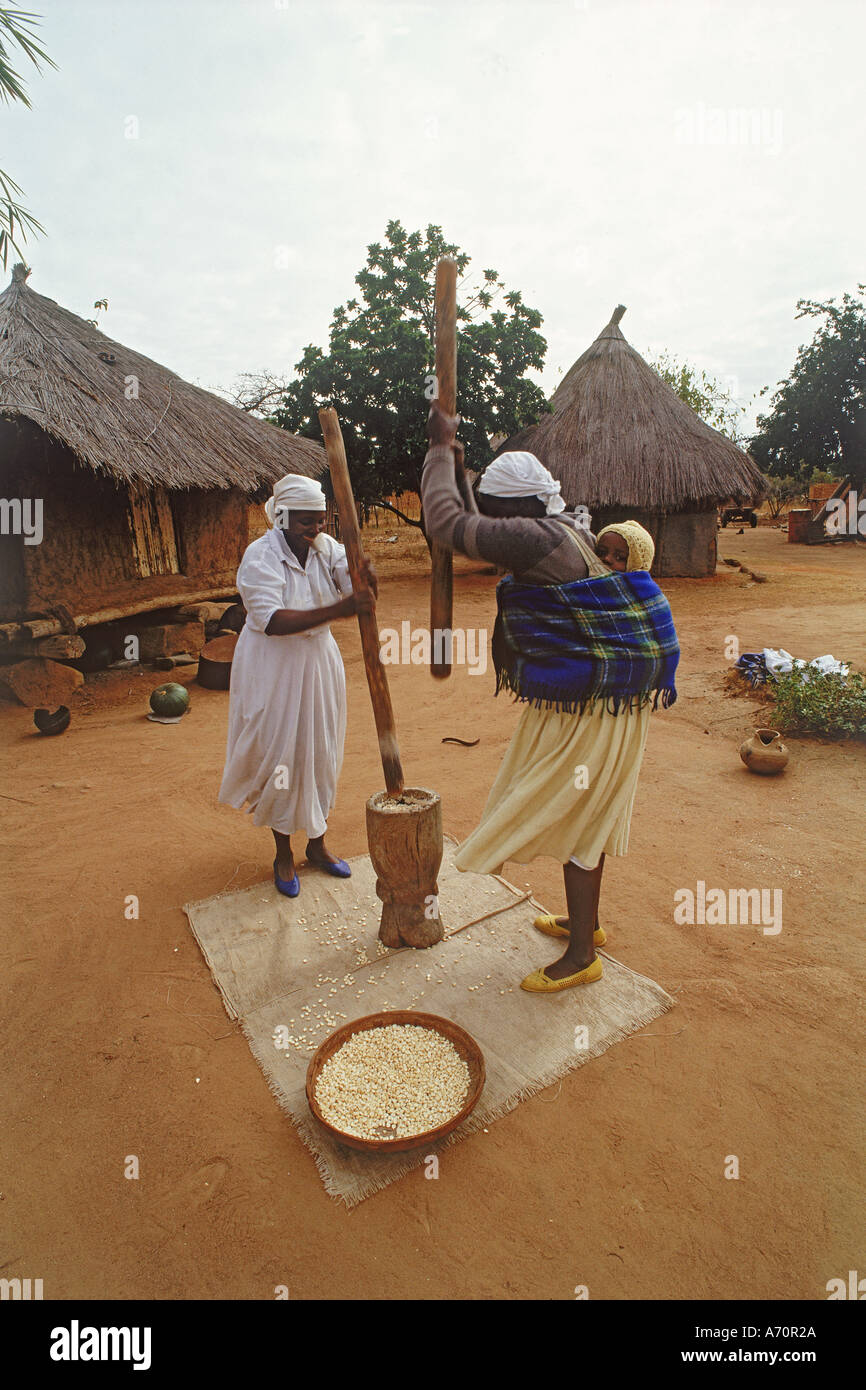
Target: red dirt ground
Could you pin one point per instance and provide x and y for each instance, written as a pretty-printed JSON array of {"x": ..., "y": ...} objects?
[{"x": 117, "y": 1043}]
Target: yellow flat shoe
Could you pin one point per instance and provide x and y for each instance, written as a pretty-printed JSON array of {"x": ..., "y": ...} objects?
[
  {"x": 549, "y": 925},
  {"x": 539, "y": 983}
]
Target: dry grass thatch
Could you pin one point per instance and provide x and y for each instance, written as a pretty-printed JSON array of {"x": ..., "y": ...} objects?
[
  {"x": 63, "y": 374},
  {"x": 619, "y": 436}
]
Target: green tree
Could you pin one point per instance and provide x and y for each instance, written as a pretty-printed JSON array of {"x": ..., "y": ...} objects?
[
  {"x": 15, "y": 221},
  {"x": 380, "y": 362},
  {"x": 818, "y": 416},
  {"x": 706, "y": 396}
]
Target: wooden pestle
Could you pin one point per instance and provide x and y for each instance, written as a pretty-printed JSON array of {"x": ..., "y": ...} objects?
[
  {"x": 442, "y": 579},
  {"x": 350, "y": 536}
]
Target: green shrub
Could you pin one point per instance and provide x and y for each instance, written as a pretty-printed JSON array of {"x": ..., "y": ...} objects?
[{"x": 824, "y": 704}]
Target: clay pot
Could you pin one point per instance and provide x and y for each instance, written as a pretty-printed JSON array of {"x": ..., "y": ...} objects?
[{"x": 764, "y": 752}]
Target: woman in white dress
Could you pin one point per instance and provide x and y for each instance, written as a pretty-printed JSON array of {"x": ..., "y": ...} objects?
[{"x": 287, "y": 710}]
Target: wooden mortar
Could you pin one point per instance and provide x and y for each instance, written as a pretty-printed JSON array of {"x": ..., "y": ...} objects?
[{"x": 404, "y": 836}]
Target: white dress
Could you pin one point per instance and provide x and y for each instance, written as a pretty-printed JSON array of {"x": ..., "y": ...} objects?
[{"x": 287, "y": 708}]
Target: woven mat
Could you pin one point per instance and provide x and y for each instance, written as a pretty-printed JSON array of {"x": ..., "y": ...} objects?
[{"x": 294, "y": 969}]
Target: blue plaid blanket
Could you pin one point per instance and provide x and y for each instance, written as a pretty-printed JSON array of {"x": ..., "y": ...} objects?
[{"x": 564, "y": 646}]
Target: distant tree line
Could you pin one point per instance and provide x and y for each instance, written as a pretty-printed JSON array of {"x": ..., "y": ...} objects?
[{"x": 380, "y": 356}]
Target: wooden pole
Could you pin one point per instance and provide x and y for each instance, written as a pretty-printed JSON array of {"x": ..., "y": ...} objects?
[
  {"x": 350, "y": 535},
  {"x": 44, "y": 627},
  {"x": 60, "y": 645},
  {"x": 442, "y": 582}
]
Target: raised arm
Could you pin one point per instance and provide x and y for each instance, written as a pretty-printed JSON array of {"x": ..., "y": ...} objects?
[{"x": 514, "y": 543}]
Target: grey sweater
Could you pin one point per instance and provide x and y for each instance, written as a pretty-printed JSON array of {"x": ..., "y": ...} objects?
[{"x": 536, "y": 550}]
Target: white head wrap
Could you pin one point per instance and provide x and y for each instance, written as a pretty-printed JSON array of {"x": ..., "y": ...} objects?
[
  {"x": 294, "y": 493},
  {"x": 522, "y": 475}
]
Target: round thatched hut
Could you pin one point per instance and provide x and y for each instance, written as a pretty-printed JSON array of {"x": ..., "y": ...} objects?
[
  {"x": 621, "y": 442},
  {"x": 142, "y": 480}
]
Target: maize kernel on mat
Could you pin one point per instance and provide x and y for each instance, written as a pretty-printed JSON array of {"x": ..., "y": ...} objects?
[{"x": 392, "y": 1082}]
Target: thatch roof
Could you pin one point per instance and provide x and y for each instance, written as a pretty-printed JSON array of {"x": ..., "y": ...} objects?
[
  {"x": 619, "y": 435},
  {"x": 62, "y": 373}
]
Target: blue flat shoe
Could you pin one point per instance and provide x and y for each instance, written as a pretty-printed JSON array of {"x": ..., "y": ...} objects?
[
  {"x": 290, "y": 887},
  {"x": 339, "y": 868}
]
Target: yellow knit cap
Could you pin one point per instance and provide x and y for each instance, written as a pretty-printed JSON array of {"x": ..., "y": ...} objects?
[{"x": 641, "y": 548}]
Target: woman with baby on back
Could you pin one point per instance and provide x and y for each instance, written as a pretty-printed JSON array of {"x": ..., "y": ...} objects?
[{"x": 585, "y": 638}]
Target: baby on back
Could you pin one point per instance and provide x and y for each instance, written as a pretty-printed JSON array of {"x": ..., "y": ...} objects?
[{"x": 625, "y": 545}]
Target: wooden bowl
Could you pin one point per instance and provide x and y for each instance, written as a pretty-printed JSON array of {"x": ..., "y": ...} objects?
[{"x": 463, "y": 1043}]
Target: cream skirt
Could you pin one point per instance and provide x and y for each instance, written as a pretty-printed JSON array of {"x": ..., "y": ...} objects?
[{"x": 565, "y": 789}]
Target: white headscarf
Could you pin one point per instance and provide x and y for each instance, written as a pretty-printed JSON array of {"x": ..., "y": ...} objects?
[
  {"x": 522, "y": 475},
  {"x": 294, "y": 493}
]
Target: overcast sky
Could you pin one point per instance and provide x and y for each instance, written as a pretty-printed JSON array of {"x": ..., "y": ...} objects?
[{"x": 217, "y": 168}]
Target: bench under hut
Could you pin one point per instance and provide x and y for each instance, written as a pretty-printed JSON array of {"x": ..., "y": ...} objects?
[
  {"x": 623, "y": 444},
  {"x": 144, "y": 480}
]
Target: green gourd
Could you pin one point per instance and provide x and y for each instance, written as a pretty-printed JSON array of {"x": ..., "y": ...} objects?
[{"x": 169, "y": 700}]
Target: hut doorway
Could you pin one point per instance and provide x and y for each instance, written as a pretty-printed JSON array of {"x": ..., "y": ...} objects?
[{"x": 154, "y": 538}]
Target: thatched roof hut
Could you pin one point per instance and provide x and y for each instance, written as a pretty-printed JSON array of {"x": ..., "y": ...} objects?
[
  {"x": 144, "y": 479},
  {"x": 621, "y": 442}
]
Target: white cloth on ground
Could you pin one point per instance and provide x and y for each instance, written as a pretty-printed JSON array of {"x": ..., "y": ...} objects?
[
  {"x": 828, "y": 665},
  {"x": 287, "y": 706},
  {"x": 779, "y": 662}
]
